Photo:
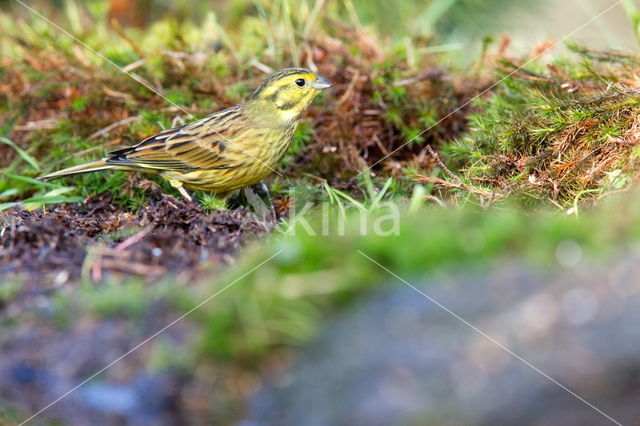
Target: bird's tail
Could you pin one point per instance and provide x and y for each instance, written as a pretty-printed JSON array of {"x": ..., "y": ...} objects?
[{"x": 92, "y": 166}]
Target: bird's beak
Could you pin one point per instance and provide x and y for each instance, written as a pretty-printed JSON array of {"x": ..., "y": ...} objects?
[{"x": 321, "y": 83}]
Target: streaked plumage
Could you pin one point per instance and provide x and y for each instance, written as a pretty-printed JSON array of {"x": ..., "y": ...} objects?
[{"x": 227, "y": 150}]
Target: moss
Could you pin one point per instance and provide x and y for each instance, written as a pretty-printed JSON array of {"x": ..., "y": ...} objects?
[{"x": 553, "y": 134}]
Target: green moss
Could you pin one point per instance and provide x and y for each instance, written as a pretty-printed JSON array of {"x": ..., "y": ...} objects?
[{"x": 543, "y": 136}]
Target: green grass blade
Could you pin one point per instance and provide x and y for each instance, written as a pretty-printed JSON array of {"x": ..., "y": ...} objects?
[
  {"x": 349, "y": 198},
  {"x": 380, "y": 195},
  {"x": 417, "y": 198},
  {"x": 30, "y": 180},
  {"x": 6, "y": 206},
  {"x": 21, "y": 152},
  {"x": 634, "y": 16},
  {"x": 56, "y": 199},
  {"x": 36, "y": 202},
  {"x": 9, "y": 193},
  {"x": 59, "y": 191}
]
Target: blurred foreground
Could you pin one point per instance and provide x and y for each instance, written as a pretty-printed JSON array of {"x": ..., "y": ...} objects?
[
  {"x": 560, "y": 292},
  {"x": 394, "y": 357},
  {"x": 398, "y": 358}
]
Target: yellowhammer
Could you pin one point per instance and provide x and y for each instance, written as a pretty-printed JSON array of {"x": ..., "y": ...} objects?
[{"x": 227, "y": 150}]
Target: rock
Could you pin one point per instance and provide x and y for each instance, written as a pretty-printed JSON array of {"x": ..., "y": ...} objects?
[{"x": 399, "y": 358}]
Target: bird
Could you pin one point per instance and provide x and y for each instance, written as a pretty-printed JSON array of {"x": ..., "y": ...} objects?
[{"x": 227, "y": 150}]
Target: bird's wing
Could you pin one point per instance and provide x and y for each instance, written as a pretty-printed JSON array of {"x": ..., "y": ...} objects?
[{"x": 199, "y": 145}]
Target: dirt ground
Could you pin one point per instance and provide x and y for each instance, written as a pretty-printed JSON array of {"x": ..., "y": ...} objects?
[{"x": 53, "y": 247}]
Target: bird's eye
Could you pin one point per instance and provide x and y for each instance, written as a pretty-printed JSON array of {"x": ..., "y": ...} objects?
[{"x": 300, "y": 82}]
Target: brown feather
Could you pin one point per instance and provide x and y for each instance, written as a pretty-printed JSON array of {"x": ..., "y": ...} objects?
[{"x": 192, "y": 147}]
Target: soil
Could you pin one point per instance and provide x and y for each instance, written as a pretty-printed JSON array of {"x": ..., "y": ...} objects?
[{"x": 58, "y": 245}]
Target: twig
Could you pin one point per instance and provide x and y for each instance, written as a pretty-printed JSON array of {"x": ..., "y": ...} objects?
[
  {"x": 133, "y": 239},
  {"x": 260, "y": 66},
  {"x": 435, "y": 199},
  {"x": 116, "y": 94},
  {"x": 310, "y": 63},
  {"x": 134, "y": 65},
  {"x": 425, "y": 75},
  {"x": 349, "y": 90},
  {"x": 110, "y": 127},
  {"x": 318, "y": 178},
  {"x": 446, "y": 184},
  {"x": 118, "y": 29},
  {"x": 46, "y": 124},
  {"x": 132, "y": 268},
  {"x": 446, "y": 169}
]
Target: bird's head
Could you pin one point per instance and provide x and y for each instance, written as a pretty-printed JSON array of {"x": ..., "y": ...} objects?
[{"x": 287, "y": 93}]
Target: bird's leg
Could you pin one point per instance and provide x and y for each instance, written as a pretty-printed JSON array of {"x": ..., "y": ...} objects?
[
  {"x": 258, "y": 197},
  {"x": 267, "y": 195},
  {"x": 178, "y": 185},
  {"x": 265, "y": 191},
  {"x": 185, "y": 194}
]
